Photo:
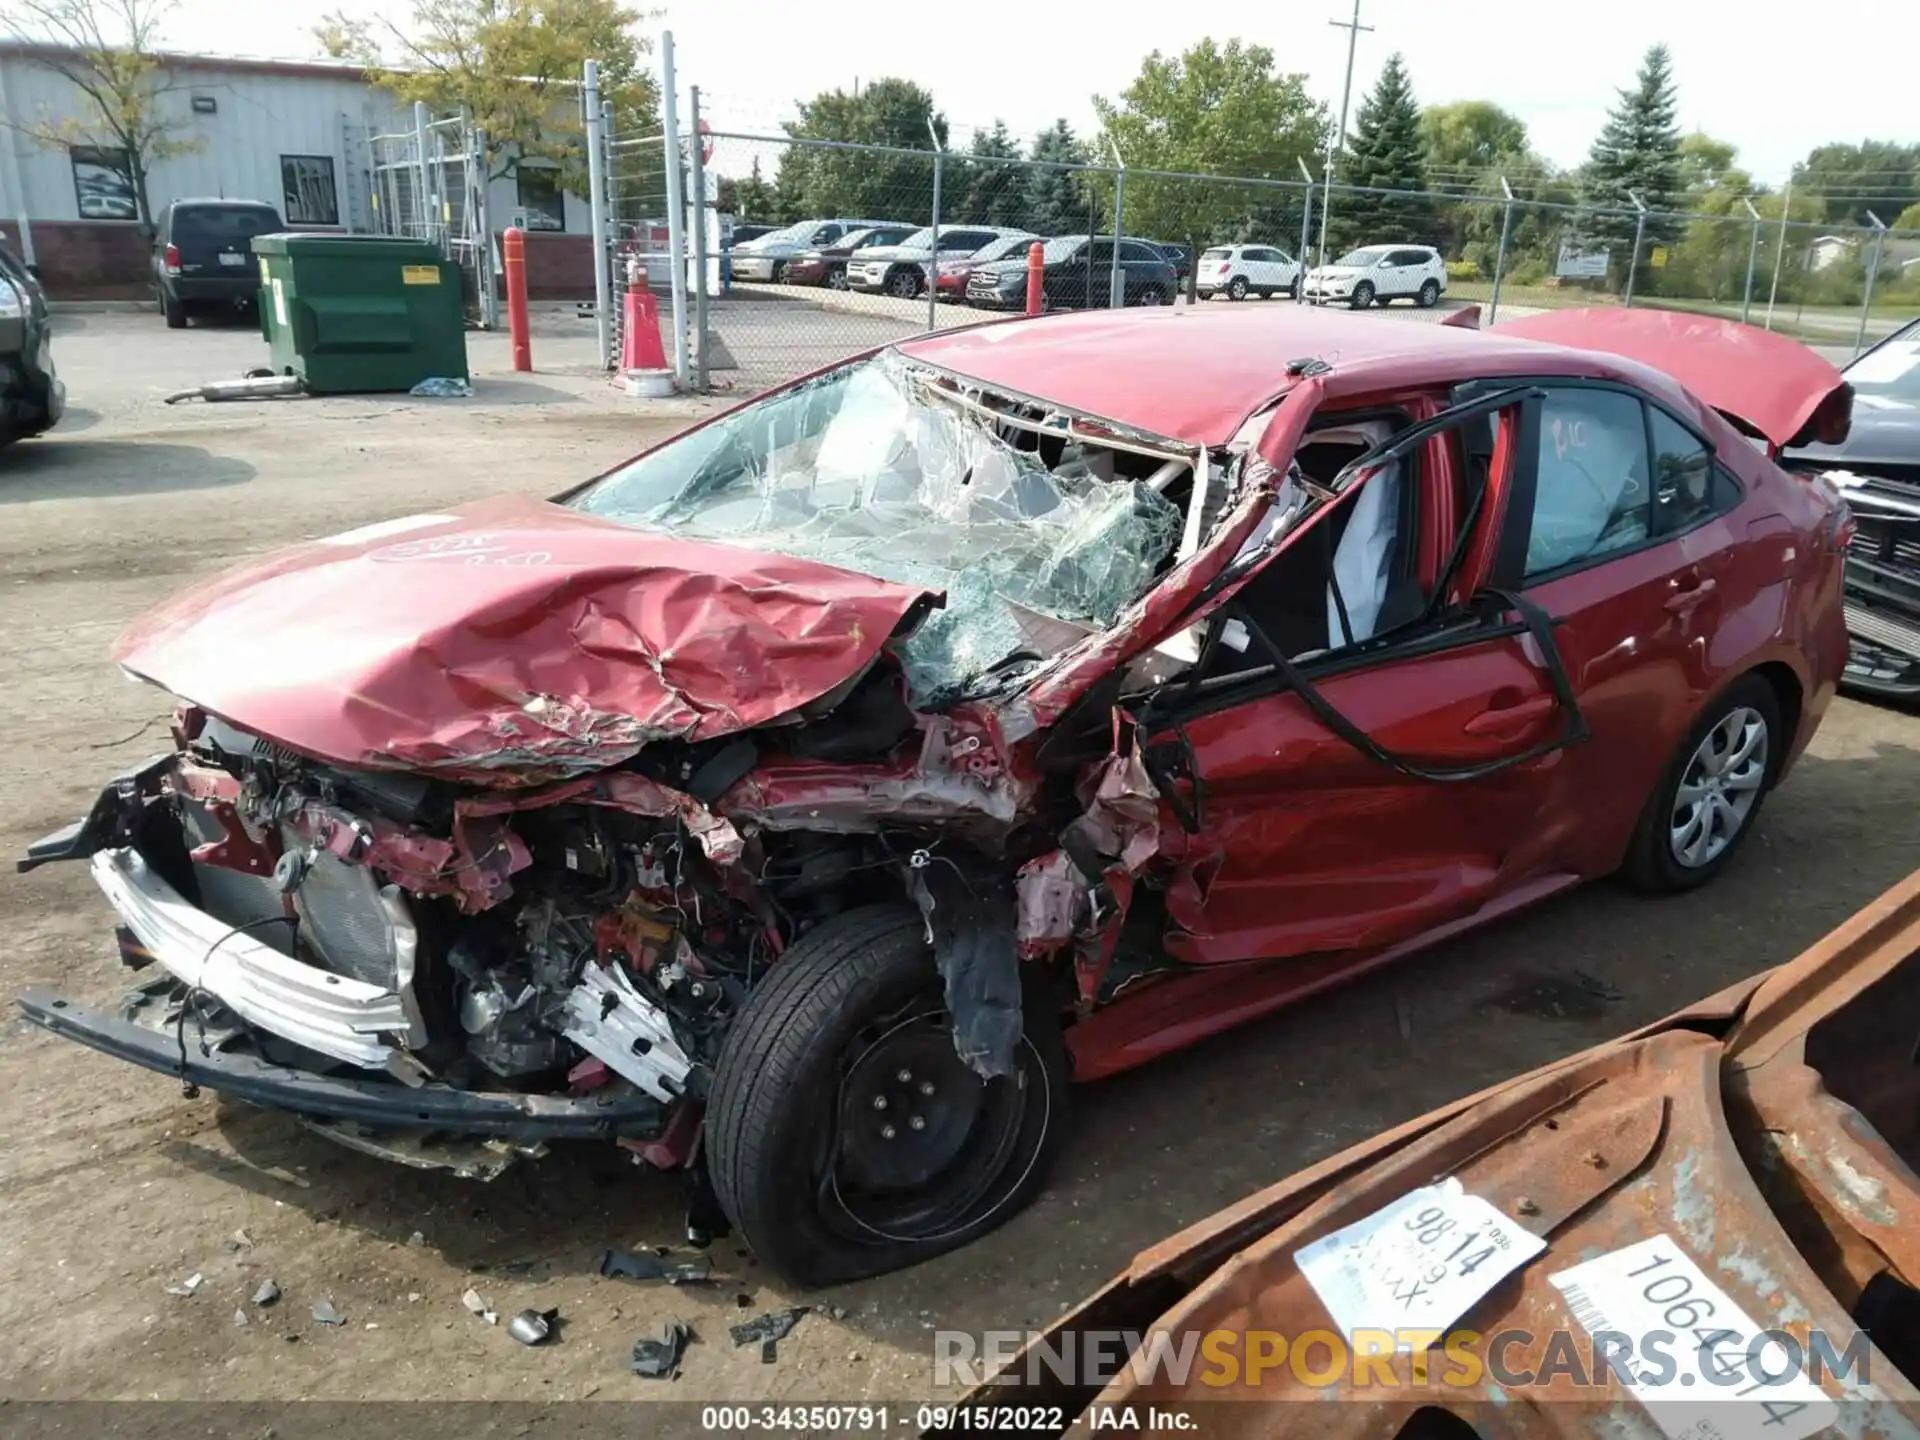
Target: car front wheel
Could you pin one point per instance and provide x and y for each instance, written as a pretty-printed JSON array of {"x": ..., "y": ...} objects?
[
  {"x": 1363, "y": 295},
  {"x": 845, "y": 1137},
  {"x": 903, "y": 284},
  {"x": 1710, "y": 795}
]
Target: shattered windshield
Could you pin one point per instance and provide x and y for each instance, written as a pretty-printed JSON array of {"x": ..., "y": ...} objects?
[{"x": 871, "y": 468}]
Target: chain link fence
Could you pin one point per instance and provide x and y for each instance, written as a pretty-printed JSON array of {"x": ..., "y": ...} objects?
[
  {"x": 430, "y": 183},
  {"x": 861, "y": 244}
]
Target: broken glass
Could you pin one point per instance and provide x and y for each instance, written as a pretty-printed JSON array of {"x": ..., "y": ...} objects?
[{"x": 871, "y": 469}]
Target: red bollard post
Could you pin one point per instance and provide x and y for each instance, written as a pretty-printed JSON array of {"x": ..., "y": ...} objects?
[
  {"x": 513, "y": 249},
  {"x": 1036, "y": 277}
]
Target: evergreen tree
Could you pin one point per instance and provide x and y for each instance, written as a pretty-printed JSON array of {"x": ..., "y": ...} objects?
[
  {"x": 1386, "y": 152},
  {"x": 992, "y": 193},
  {"x": 1637, "y": 153},
  {"x": 1056, "y": 200}
]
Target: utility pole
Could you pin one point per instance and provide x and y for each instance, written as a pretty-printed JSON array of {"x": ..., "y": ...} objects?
[{"x": 1353, "y": 28}]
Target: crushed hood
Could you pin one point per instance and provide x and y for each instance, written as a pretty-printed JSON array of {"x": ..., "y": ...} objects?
[
  {"x": 512, "y": 641},
  {"x": 1773, "y": 385}
]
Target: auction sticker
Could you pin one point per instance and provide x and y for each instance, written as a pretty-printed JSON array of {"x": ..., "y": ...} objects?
[
  {"x": 1419, "y": 1264},
  {"x": 1698, "y": 1363}
]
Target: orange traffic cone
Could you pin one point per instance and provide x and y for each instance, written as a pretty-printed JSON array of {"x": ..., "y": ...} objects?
[{"x": 640, "y": 347}]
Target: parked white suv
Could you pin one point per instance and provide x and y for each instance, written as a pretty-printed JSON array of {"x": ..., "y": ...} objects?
[
  {"x": 1238, "y": 271},
  {"x": 1380, "y": 273}
]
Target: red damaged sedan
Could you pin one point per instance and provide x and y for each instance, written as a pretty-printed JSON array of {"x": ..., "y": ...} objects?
[{"x": 805, "y": 802}]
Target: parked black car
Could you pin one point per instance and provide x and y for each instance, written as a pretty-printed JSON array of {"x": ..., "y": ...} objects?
[
  {"x": 31, "y": 393},
  {"x": 203, "y": 258},
  {"x": 1076, "y": 276},
  {"x": 1178, "y": 256},
  {"x": 1877, "y": 467}
]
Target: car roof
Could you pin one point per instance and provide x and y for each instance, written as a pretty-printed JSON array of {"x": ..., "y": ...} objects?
[
  {"x": 227, "y": 202},
  {"x": 1196, "y": 373}
]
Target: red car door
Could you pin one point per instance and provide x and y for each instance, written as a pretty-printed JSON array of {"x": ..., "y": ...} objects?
[
  {"x": 1402, "y": 784},
  {"x": 1631, "y": 545}
]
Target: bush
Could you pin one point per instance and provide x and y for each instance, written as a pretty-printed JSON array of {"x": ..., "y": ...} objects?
[
  {"x": 1462, "y": 270},
  {"x": 1527, "y": 272}
]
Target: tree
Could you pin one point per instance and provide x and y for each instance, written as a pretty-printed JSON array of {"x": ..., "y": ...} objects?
[
  {"x": 1706, "y": 165},
  {"x": 1637, "y": 153},
  {"x": 1056, "y": 201},
  {"x": 1882, "y": 176},
  {"x": 813, "y": 181},
  {"x": 987, "y": 190},
  {"x": 514, "y": 66},
  {"x": 105, "y": 50},
  {"x": 1908, "y": 219},
  {"x": 1214, "y": 109},
  {"x": 1386, "y": 152},
  {"x": 1465, "y": 139},
  {"x": 749, "y": 199}
]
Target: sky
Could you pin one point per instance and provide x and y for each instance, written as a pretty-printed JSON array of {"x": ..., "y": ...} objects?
[{"x": 1775, "y": 79}]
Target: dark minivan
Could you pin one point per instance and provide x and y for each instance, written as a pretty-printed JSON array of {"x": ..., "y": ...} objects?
[
  {"x": 31, "y": 395},
  {"x": 203, "y": 257}
]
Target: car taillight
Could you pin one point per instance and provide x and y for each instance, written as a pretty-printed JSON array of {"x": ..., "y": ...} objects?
[{"x": 173, "y": 259}]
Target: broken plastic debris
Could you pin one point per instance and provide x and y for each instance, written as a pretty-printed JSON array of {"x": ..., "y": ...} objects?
[
  {"x": 324, "y": 1312},
  {"x": 530, "y": 1327},
  {"x": 238, "y": 1241},
  {"x": 417, "y": 1238},
  {"x": 240, "y": 1318},
  {"x": 623, "y": 1264},
  {"x": 267, "y": 1293},
  {"x": 186, "y": 1286},
  {"x": 767, "y": 1330},
  {"x": 440, "y": 387},
  {"x": 660, "y": 1359},
  {"x": 473, "y": 1301}
]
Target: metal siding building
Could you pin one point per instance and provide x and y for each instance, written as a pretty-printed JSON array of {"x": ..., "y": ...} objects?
[{"x": 291, "y": 133}]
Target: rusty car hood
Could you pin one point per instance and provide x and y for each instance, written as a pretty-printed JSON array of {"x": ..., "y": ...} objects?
[
  {"x": 512, "y": 641},
  {"x": 1711, "y": 1129},
  {"x": 1770, "y": 384}
]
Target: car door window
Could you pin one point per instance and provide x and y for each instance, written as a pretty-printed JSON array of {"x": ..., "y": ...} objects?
[
  {"x": 1134, "y": 251},
  {"x": 1100, "y": 252},
  {"x": 826, "y": 235},
  {"x": 1592, "y": 495},
  {"x": 1684, "y": 489}
]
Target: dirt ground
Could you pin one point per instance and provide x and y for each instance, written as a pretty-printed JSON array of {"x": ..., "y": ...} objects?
[{"x": 113, "y": 1186}]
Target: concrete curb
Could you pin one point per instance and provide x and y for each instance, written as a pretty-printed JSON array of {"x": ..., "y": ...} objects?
[{"x": 103, "y": 307}]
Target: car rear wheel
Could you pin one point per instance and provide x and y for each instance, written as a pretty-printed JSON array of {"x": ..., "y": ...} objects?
[
  {"x": 845, "y": 1138},
  {"x": 1429, "y": 295},
  {"x": 1293, "y": 290},
  {"x": 174, "y": 310},
  {"x": 1237, "y": 288},
  {"x": 1363, "y": 295},
  {"x": 903, "y": 283},
  {"x": 1710, "y": 795},
  {"x": 836, "y": 277}
]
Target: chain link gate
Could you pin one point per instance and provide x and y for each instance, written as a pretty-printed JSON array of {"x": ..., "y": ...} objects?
[{"x": 430, "y": 183}]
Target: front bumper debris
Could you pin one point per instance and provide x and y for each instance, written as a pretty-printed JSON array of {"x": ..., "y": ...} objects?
[
  {"x": 332, "y": 1015},
  {"x": 213, "y": 1052}
]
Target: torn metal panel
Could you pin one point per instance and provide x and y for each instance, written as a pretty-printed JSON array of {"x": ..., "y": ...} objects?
[
  {"x": 568, "y": 642},
  {"x": 971, "y": 926}
]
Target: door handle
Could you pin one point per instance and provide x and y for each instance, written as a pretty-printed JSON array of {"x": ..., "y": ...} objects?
[
  {"x": 1505, "y": 719},
  {"x": 1688, "y": 591}
]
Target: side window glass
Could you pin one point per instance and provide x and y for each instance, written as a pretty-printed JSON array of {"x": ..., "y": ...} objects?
[
  {"x": 1100, "y": 252},
  {"x": 1592, "y": 495},
  {"x": 1683, "y": 490}
]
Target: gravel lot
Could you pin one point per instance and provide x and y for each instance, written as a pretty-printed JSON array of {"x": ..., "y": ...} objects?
[{"x": 114, "y": 1186}]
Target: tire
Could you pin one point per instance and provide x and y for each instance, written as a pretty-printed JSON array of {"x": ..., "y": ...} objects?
[
  {"x": 777, "y": 273},
  {"x": 903, "y": 283},
  {"x": 1363, "y": 295},
  {"x": 837, "y": 277},
  {"x": 1654, "y": 863},
  {"x": 775, "y": 1138},
  {"x": 1237, "y": 288},
  {"x": 1149, "y": 295},
  {"x": 1429, "y": 295},
  {"x": 174, "y": 310},
  {"x": 1293, "y": 290}
]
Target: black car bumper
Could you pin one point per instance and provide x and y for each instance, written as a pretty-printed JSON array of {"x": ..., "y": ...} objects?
[
  {"x": 32, "y": 395},
  {"x": 149, "y": 1032},
  {"x": 997, "y": 300},
  {"x": 240, "y": 288}
]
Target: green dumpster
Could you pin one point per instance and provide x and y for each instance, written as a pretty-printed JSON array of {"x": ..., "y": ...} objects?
[{"x": 360, "y": 312}]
